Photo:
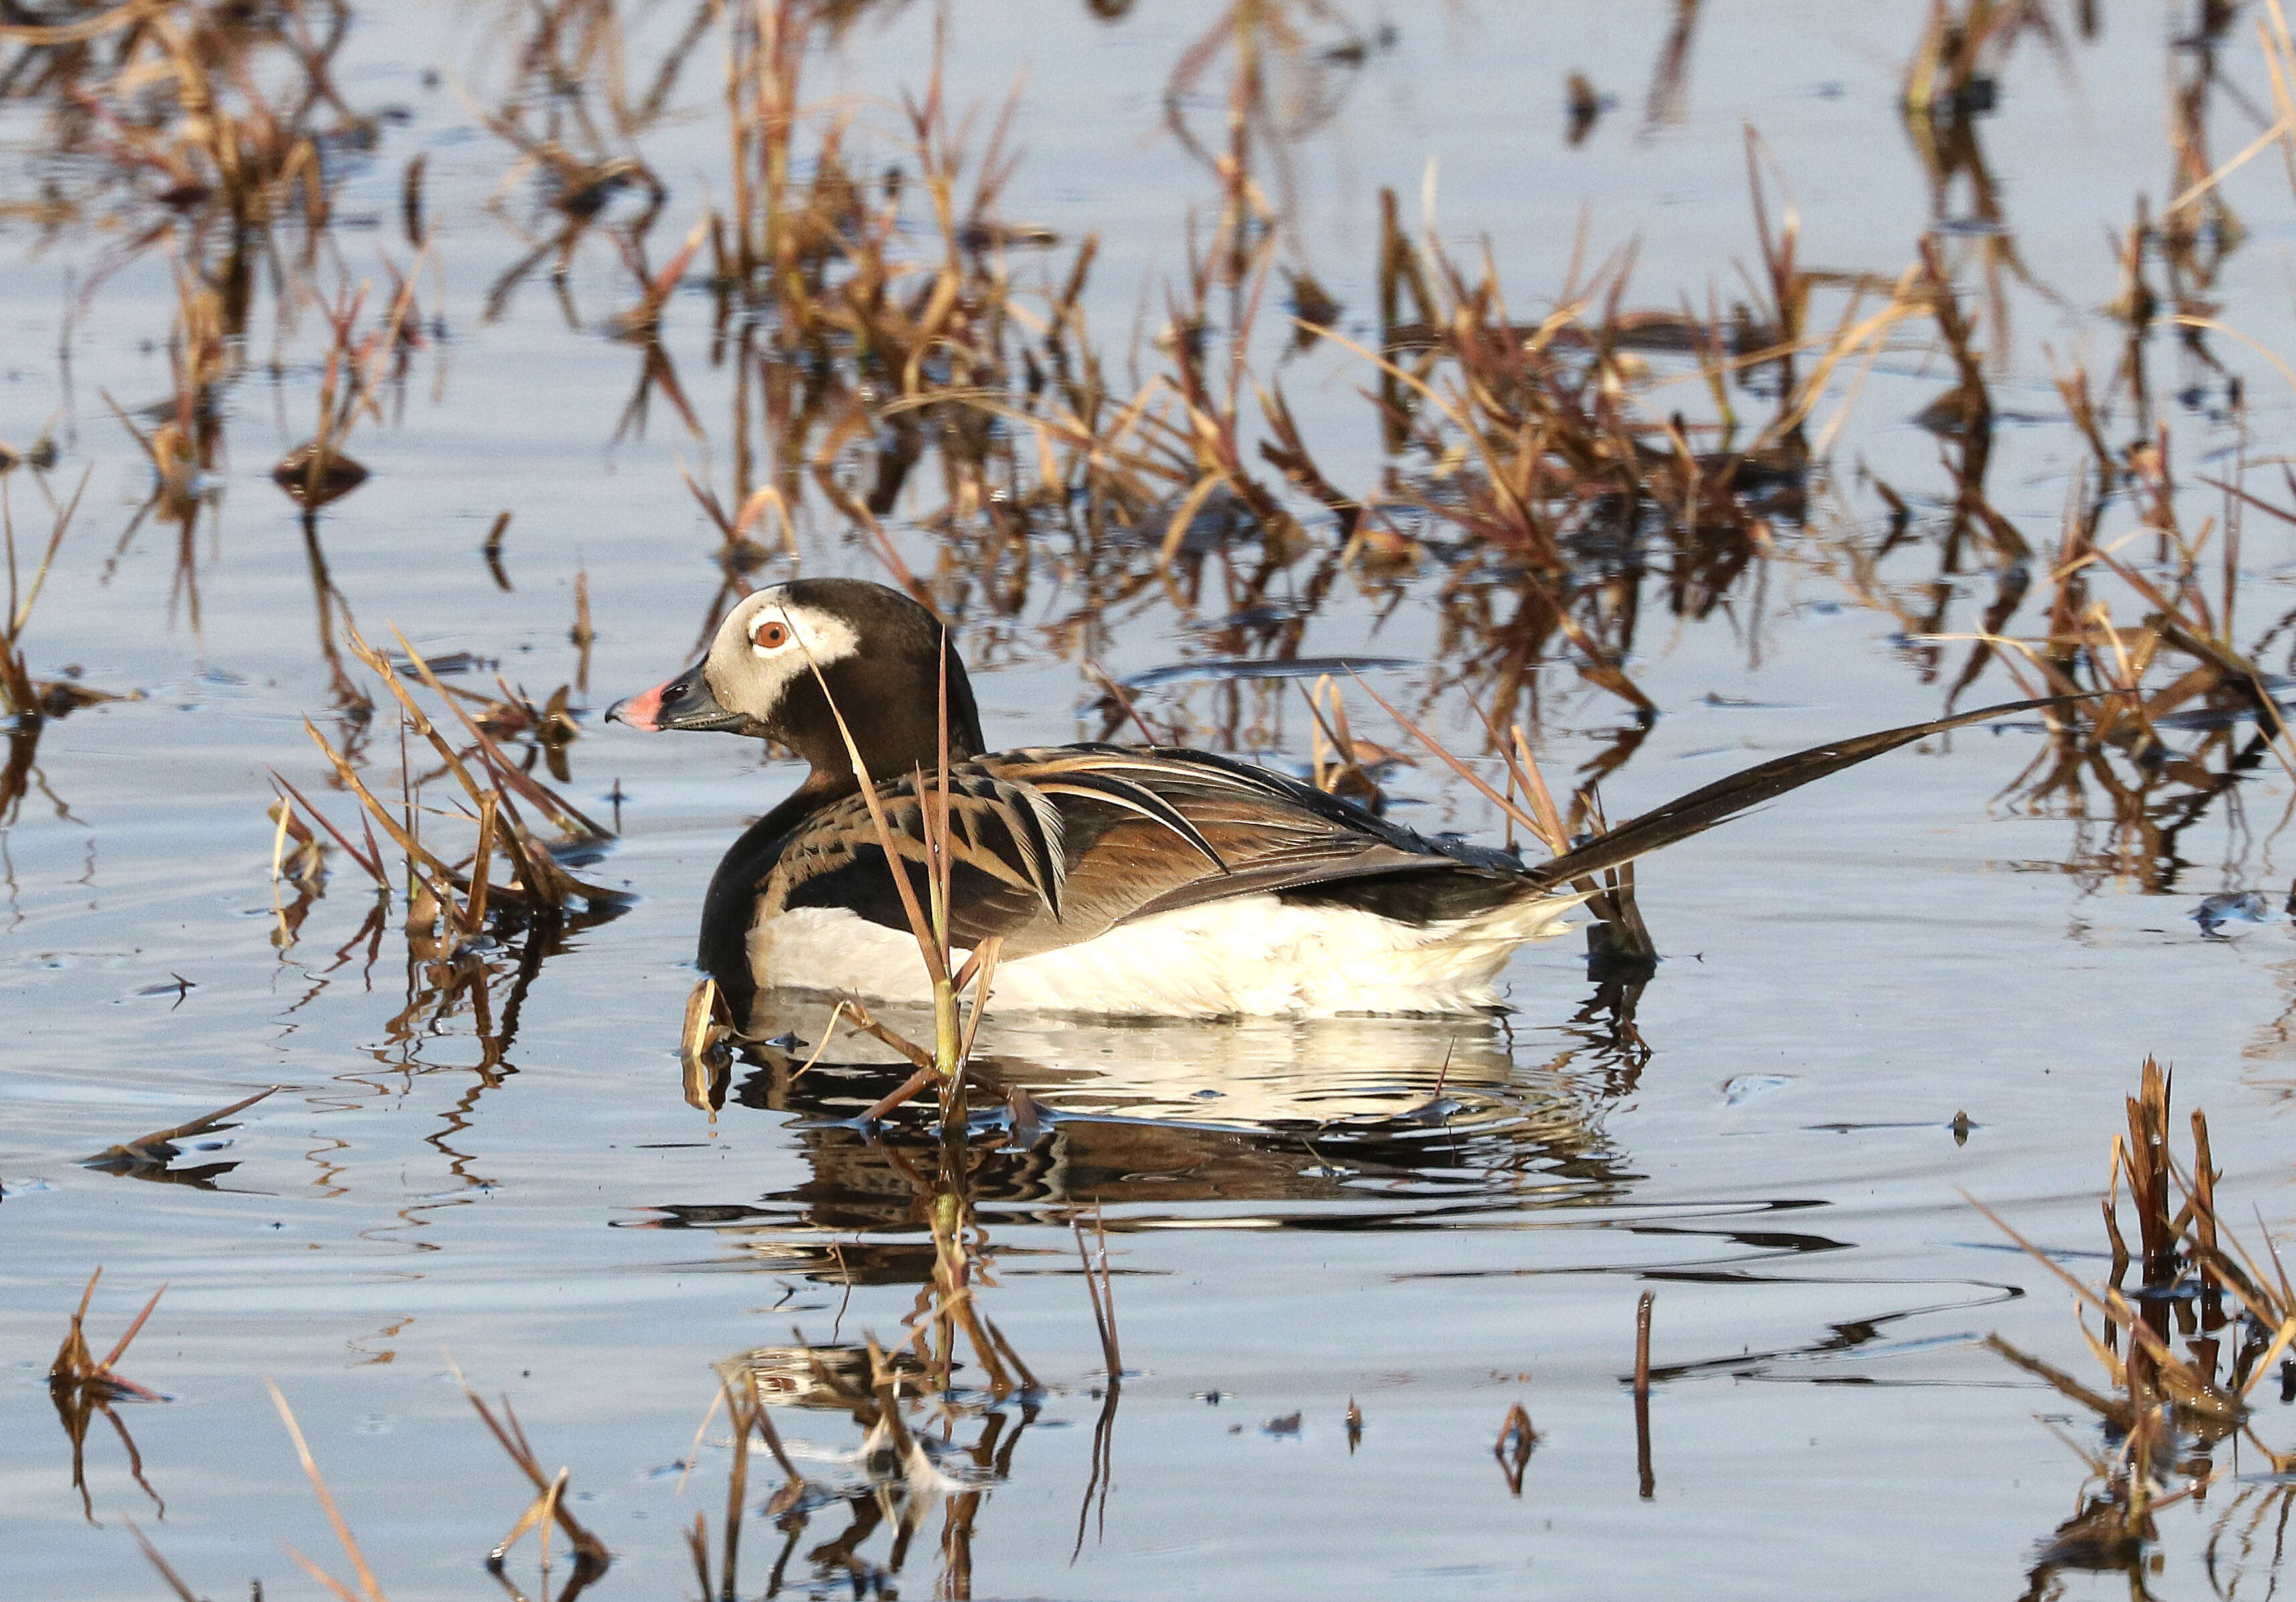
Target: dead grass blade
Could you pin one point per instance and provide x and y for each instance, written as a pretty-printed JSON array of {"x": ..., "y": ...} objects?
[
  {"x": 156, "y": 1147},
  {"x": 369, "y": 1590}
]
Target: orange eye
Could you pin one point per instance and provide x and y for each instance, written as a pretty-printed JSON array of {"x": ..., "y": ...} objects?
[{"x": 772, "y": 635}]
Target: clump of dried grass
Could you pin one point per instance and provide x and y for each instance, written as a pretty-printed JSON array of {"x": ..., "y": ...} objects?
[
  {"x": 2163, "y": 1411},
  {"x": 208, "y": 129},
  {"x": 2177, "y": 706},
  {"x": 24, "y": 702},
  {"x": 358, "y": 364},
  {"x": 457, "y": 896},
  {"x": 81, "y": 1385},
  {"x": 214, "y": 135},
  {"x": 484, "y": 881}
]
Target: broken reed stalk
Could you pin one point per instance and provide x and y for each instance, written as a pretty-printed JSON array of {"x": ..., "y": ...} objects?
[
  {"x": 152, "y": 1555},
  {"x": 305, "y": 867},
  {"x": 1643, "y": 1465},
  {"x": 157, "y": 1149},
  {"x": 591, "y": 1557},
  {"x": 507, "y": 774},
  {"x": 1513, "y": 1448},
  {"x": 737, "y": 1390},
  {"x": 2157, "y": 1399},
  {"x": 75, "y": 1370},
  {"x": 703, "y": 1052},
  {"x": 369, "y": 1590},
  {"x": 2144, "y": 1161},
  {"x": 492, "y": 550},
  {"x": 81, "y": 1385},
  {"x": 1099, "y": 1286},
  {"x": 740, "y": 1411},
  {"x": 20, "y": 696},
  {"x": 753, "y": 1417}
]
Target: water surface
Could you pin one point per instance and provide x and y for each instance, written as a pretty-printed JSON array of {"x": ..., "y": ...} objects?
[{"x": 1427, "y": 1221}]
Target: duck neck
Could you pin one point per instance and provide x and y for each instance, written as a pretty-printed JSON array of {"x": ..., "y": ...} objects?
[
  {"x": 730, "y": 904},
  {"x": 895, "y": 733}
]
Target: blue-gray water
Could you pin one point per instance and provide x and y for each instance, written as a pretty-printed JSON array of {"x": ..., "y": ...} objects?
[{"x": 1845, "y": 972}]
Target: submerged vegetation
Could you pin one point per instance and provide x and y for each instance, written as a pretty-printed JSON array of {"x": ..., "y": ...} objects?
[{"x": 846, "y": 342}]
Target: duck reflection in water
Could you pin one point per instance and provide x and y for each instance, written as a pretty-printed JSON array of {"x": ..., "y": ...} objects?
[
  {"x": 1348, "y": 1123},
  {"x": 1324, "y": 1124}
]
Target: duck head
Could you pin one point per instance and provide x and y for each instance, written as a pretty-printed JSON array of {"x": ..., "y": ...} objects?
[{"x": 786, "y": 654}]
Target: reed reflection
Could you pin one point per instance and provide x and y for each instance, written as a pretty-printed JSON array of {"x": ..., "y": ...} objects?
[
  {"x": 1334, "y": 1123},
  {"x": 922, "y": 1446},
  {"x": 1092, "y": 1129}
]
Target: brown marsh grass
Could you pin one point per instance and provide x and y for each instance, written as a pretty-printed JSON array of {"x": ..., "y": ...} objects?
[
  {"x": 868, "y": 327},
  {"x": 26, "y": 704},
  {"x": 150, "y": 1156},
  {"x": 501, "y": 903},
  {"x": 546, "y": 1512},
  {"x": 83, "y": 1386},
  {"x": 2164, "y": 1413},
  {"x": 209, "y": 134},
  {"x": 876, "y": 327},
  {"x": 891, "y": 337},
  {"x": 192, "y": 152}
]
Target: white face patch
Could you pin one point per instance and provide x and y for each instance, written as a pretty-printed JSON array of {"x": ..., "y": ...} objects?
[{"x": 766, "y": 643}]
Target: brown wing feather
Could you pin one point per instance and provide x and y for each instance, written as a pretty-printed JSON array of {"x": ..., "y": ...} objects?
[{"x": 1057, "y": 846}]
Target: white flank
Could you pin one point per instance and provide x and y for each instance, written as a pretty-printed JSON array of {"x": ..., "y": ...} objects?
[{"x": 1249, "y": 957}]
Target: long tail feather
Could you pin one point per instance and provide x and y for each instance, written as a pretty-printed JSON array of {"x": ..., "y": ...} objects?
[{"x": 1702, "y": 809}]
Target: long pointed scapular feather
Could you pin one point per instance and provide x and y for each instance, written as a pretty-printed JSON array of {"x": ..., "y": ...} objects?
[
  {"x": 1133, "y": 798},
  {"x": 1700, "y": 810}
]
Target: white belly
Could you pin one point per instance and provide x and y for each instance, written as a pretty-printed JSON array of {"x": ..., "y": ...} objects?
[{"x": 1250, "y": 957}]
